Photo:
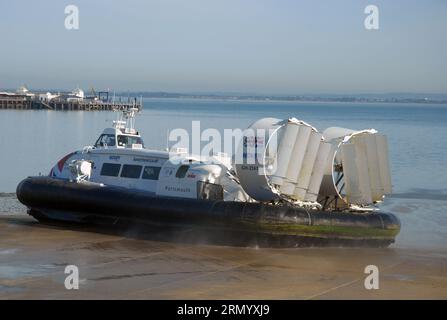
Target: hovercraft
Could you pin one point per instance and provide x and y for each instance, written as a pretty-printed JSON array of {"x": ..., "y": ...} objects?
[{"x": 285, "y": 180}]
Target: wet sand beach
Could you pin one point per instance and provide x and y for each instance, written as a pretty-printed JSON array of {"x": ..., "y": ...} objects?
[{"x": 33, "y": 258}]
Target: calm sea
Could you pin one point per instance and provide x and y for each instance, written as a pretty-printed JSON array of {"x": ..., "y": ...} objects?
[{"x": 32, "y": 141}]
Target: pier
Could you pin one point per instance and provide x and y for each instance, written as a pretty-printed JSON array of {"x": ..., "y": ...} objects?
[
  {"x": 75, "y": 101},
  {"x": 29, "y": 104}
]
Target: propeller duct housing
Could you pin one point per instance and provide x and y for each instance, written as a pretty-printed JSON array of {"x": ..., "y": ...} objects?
[
  {"x": 282, "y": 159},
  {"x": 358, "y": 170}
]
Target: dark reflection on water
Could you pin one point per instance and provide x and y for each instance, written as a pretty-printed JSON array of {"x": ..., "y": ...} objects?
[{"x": 430, "y": 195}]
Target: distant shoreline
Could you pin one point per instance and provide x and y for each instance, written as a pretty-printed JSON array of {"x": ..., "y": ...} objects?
[
  {"x": 419, "y": 98},
  {"x": 428, "y": 102},
  {"x": 414, "y": 98},
  {"x": 289, "y": 98}
]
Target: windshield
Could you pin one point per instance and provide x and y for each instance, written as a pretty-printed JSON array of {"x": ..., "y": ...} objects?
[
  {"x": 105, "y": 140},
  {"x": 128, "y": 141}
]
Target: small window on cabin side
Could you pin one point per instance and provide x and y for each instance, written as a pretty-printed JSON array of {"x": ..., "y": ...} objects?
[
  {"x": 131, "y": 171},
  {"x": 181, "y": 172},
  {"x": 110, "y": 169},
  {"x": 151, "y": 173}
]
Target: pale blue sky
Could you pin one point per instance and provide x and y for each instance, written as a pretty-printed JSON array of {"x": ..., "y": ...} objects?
[{"x": 259, "y": 46}]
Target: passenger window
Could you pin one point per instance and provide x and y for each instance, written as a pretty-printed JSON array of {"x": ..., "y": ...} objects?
[
  {"x": 110, "y": 169},
  {"x": 151, "y": 173},
  {"x": 181, "y": 172},
  {"x": 131, "y": 171}
]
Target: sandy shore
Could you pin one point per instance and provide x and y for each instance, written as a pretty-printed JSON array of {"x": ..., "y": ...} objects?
[{"x": 33, "y": 258}]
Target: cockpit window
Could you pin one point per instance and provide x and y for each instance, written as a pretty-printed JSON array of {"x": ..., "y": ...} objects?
[
  {"x": 128, "y": 141},
  {"x": 105, "y": 140}
]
